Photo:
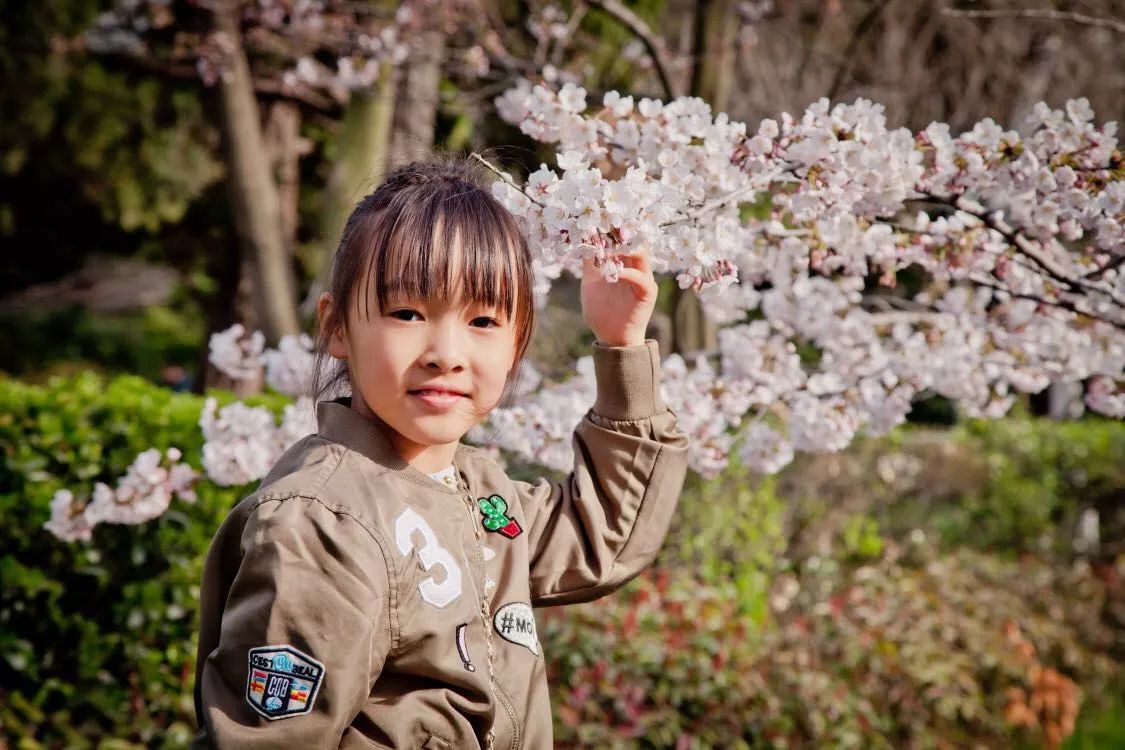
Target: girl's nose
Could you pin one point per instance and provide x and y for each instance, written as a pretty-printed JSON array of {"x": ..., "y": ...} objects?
[{"x": 445, "y": 350}]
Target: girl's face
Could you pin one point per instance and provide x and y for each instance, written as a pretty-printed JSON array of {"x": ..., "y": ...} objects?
[{"x": 429, "y": 368}]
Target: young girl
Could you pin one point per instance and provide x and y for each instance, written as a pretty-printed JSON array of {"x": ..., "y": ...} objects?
[{"x": 377, "y": 589}]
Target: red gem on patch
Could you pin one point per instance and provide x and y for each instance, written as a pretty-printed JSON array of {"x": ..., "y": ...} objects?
[{"x": 512, "y": 530}]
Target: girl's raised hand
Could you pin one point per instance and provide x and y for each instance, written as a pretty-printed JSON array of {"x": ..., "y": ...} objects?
[{"x": 618, "y": 313}]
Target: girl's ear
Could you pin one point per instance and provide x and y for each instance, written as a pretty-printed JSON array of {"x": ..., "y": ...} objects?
[{"x": 325, "y": 315}]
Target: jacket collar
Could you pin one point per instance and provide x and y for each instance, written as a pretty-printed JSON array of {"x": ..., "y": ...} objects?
[{"x": 338, "y": 422}]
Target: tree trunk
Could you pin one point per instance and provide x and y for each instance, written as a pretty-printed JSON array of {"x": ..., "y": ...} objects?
[
  {"x": 415, "y": 116},
  {"x": 253, "y": 193},
  {"x": 285, "y": 147},
  {"x": 713, "y": 56},
  {"x": 360, "y": 163},
  {"x": 712, "y": 75}
]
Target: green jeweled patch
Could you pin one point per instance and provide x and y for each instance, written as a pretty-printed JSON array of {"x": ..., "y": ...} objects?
[{"x": 495, "y": 511}]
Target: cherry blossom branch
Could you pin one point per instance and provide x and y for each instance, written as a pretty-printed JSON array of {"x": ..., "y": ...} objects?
[
  {"x": 505, "y": 177},
  {"x": 1025, "y": 247},
  {"x": 183, "y": 71},
  {"x": 1116, "y": 263},
  {"x": 1062, "y": 304}
]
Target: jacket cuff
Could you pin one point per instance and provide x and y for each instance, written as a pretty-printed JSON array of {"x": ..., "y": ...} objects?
[{"x": 628, "y": 380}]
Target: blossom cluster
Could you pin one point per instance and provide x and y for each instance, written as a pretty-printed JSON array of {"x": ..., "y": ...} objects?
[
  {"x": 243, "y": 355},
  {"x": 781, "y": 231},
  {"x": 144, "y": 493},
  {"x": 242, "y": 442},
  {"x": 540, "y": 426},
  {"x": 236, "y": 353}
]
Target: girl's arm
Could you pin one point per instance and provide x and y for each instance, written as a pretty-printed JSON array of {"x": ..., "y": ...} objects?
[
  {"x": 305, "y": 630},
  {"x": 602, "y": 525}
]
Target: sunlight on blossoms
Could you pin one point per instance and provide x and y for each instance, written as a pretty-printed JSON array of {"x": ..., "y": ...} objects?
[{"x": 143, "y": 493}]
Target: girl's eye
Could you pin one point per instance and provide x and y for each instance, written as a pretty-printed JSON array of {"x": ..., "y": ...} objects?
[
  {"x": 488, "y": 322},
  {"x": 404, "y": 314}
]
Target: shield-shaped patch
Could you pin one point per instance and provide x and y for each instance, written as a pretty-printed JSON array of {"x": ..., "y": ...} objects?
[{"x": 282, "y": 681}]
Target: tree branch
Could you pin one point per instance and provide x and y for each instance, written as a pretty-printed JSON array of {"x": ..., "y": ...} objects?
[
  {"x": 1042, "y": 14},
  {"x": 186, "y": 72},
  {"x": 655, "y": 45},
  {"x": 1025, "y": 247},
  {"x": 1059, "y": 303},
  {"x": 1098, "y": 273},
  {"x": 861, "y": 28}
]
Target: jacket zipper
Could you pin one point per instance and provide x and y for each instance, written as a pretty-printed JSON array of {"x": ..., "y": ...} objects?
[{"x": 498, "y": 694}]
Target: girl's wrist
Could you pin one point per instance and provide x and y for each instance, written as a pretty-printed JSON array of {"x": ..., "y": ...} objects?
[{"x": 622, "y": 341}]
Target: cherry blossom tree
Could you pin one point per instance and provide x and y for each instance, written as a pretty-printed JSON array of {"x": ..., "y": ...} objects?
[{"x": 855, "y": 268}]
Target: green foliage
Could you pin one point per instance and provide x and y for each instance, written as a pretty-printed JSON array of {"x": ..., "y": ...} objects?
[
  {"x": 145, "y": 148},
  {"x": 140, "y": 342},
  {"x": 1102, "y": 723},
  {"x": 758, "y": 209},
  {"x": 730, "y": 530},
  {"x": 98, "y": 638},
  {"x": 89, "y": 152},
  {"x": 1007, "y": 486},
  {"x": 861, "y": 539},
  {"x": 1038, "y": 474},
  {"x": 606, "y": 63},
  {"x": 898, "y": 653}
]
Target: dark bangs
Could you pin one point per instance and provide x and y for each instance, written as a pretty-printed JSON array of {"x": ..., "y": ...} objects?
[{"x": 453, "y": 235}]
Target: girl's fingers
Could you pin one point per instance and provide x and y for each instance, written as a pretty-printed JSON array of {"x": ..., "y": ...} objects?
[
  {"x": 638, "y": 259},
  {"x": 642, "y": 282}
]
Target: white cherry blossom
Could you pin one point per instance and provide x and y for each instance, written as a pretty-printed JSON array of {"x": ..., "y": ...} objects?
[{"x": 142, "y": 494}]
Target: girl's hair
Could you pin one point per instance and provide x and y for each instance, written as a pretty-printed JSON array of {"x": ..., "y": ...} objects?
[{"x": 403, "y": 239}]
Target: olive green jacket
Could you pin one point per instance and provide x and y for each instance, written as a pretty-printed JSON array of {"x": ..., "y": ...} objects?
[{"x": 353, "y": 601}]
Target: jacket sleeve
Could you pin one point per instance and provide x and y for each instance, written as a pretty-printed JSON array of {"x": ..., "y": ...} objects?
[
  {"x": 305, "y": 630},
  {"x": 601, "y": 526}
]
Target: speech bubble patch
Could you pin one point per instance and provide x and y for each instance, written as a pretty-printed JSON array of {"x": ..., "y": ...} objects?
[{"x": 516, "y": 623}]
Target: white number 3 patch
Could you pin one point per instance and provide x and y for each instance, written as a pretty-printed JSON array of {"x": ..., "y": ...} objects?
[{"x": 430, "y": 553}]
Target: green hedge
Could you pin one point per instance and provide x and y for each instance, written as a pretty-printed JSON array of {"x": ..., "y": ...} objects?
[
  {"x": 1038, "y": 475},
  {"x": 98, "y": 638}
]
